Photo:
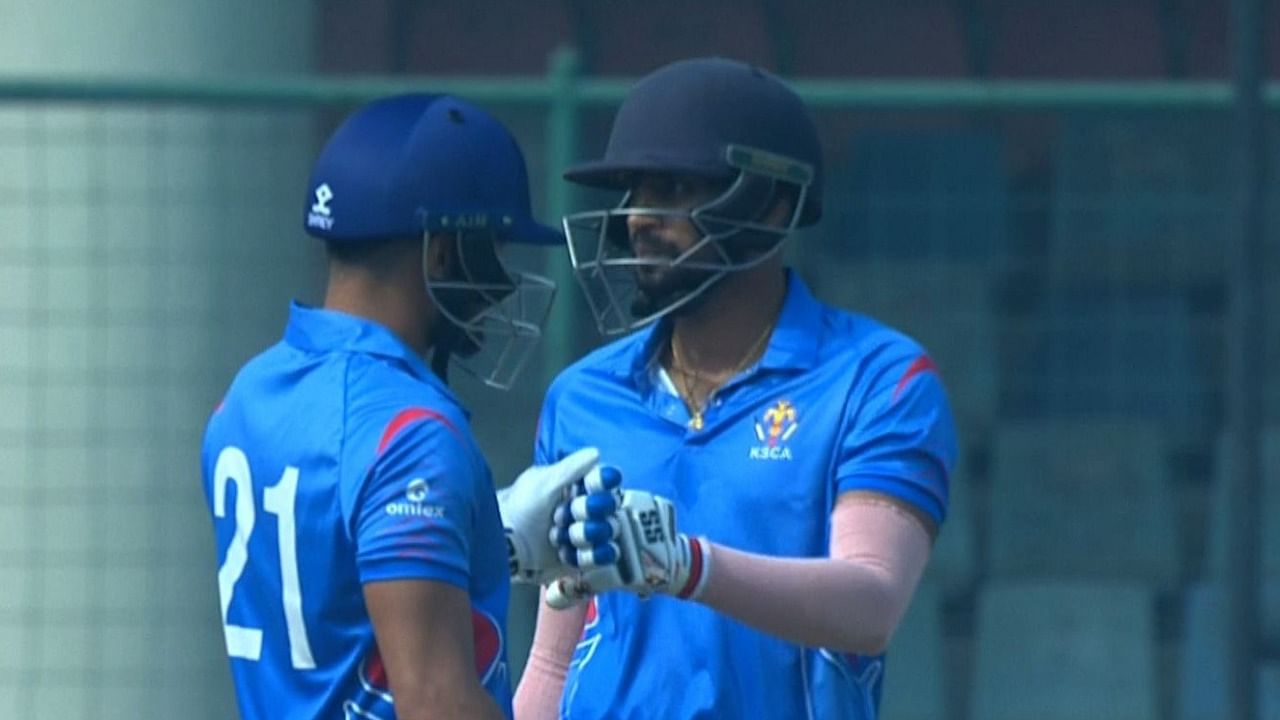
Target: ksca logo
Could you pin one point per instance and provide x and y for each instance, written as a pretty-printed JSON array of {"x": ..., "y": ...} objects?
[{"x": 774, "y": 429}]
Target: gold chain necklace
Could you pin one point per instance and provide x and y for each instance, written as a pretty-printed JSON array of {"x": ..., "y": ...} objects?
[{"x": 681, "y": 377}]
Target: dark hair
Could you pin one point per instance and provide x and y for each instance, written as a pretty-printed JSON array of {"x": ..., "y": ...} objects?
[{"x": 367, "y": 252}]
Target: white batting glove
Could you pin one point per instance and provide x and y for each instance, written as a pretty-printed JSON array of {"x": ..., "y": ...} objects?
[
  {"x": 652, "y": 555},
  {"x": 528, "y": 509}
]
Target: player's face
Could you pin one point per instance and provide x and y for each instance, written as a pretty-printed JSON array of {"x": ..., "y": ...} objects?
[
  {"x": 665, "y": 238},
  {"x": 481, "y": 281}
]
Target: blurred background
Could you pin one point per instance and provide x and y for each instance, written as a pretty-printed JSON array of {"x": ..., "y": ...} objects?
[{"x": 1057, "y": 197}]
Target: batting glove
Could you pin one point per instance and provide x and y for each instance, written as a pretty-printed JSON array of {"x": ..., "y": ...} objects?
[
  {"x": 529, "y": 509},
  {"x": 651, "y": 555}
]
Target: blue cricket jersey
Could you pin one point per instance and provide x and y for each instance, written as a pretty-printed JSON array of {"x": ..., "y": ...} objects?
[
  {"x": 838, "y": 402},
  {"x": 337, "y": 459}
]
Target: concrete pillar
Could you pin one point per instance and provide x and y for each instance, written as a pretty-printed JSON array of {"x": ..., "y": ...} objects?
[{"x": 145, "y": 252}]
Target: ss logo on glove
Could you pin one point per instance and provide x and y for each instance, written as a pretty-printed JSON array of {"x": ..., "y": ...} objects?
[{"x": 652, "y": 524}]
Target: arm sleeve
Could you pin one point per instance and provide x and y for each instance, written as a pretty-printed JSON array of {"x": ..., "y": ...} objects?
[
  {"x": 898, "y": 437},
  {"x": 542, "y": 684},
  {"x": 851, "y": 602},
  {"x": 415, "y": 516}
]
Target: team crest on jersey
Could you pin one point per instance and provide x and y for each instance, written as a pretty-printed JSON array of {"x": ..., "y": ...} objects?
[{"x": 774, "y": 428}]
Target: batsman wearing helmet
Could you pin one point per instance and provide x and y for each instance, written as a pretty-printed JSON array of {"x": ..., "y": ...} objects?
[
  {"x": 785, "y": 464},
  {"x": 364, "y": 560}
]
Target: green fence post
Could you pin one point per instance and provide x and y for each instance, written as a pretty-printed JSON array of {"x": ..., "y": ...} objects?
[{"x": 562, "y": 132}]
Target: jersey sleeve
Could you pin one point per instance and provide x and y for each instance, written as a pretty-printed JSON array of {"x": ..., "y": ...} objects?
[
  {"x": 415, "y": 516},
  {"x": 899, "y": 438}
]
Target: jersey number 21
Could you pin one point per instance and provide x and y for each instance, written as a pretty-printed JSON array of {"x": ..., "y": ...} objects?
[{"x": 246, "y": 642}]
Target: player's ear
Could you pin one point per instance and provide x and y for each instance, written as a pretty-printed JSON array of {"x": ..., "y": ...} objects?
[{"x": 441, "y": 249}]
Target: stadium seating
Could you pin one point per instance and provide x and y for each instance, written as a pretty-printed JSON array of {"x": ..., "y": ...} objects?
[
  {"x": 1137, "y": 199},
  {"x": 1271, "y": 335},
  {"x": 1081, "y": 500},
  {"x": 1202, "y": 676},
  {"x": 915, "y": 672},
  {"x": 922, "y": 194},
  {"x": 1219, "y": 525},
  {"x": 1269, "y": 691},
  {"x": 1053, "y": 650},
  {"x": 1202, "y": 690},
  {"x": 953, "y": 566},
  {"x": 1086, "y": 354}
]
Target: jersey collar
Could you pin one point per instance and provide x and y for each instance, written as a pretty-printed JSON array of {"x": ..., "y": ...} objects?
[{"x": 321, "y": 330}]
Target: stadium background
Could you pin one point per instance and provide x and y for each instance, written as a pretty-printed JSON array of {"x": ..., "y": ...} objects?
[{"x": 1044, "y": 193}]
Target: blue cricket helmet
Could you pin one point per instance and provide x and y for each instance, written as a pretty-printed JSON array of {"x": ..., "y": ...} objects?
[
  {"x": 687, "y": 116},
  {"x": 409, "y": 164},
  {"x": 412, "y": 165}
]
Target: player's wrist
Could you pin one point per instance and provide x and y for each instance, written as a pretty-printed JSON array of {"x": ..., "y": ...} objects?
[{"x": 694, "y": 567}]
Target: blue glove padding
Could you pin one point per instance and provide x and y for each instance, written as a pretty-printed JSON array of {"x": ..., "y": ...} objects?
[
  {"x": 585, "y": 527},
  {"x": 646, "y": 553}
]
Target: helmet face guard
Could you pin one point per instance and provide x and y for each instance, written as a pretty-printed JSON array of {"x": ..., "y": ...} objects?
[
  {"x": 732, "y": 237},
  {"x": 496, "y": 314}
]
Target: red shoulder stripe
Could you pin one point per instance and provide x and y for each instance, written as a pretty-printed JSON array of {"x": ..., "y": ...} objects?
[
  {"x": 405, "y": 418},
  {"x": 919, "y": 366}
]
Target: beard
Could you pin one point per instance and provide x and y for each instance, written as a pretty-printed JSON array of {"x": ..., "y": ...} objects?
[
  {"x": 447, "y": 340},
  {"x": 659, "y": 286},
  {"x": 447, "y": 336},
  {"x": 658, "y": 289}
]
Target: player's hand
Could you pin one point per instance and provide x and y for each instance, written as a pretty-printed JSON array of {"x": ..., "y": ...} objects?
[
  {"x": 529, "y": 508},
  {"x": 652, "y": 555}
]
